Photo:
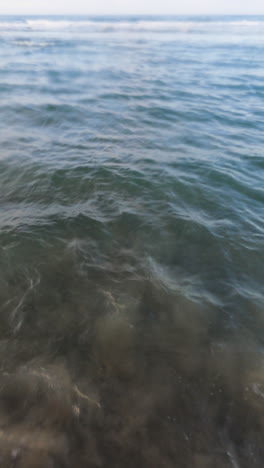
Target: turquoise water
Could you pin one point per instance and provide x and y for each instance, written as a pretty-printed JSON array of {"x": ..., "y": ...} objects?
[{"x": 131, "y": 242}]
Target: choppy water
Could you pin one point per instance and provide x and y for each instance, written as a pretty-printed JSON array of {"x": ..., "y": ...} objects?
[{"x": 131, "y": 242}]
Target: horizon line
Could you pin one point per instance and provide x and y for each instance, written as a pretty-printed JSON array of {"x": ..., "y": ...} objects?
[{"x": 132, "y": 14}]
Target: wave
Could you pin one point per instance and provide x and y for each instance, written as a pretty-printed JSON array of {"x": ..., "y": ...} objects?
[
  {"x": 244, "y": 25},
  {"x": 24, "y": 43}
]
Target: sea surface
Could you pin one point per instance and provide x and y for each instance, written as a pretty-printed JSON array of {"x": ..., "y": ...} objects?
[{"x": 131, "y": 242}]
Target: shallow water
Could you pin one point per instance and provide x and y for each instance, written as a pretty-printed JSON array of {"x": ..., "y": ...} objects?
[{"x": 131, "y": 242}]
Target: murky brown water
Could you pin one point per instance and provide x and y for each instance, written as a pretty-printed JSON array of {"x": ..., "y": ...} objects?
[{"x": 124, "y": 373}]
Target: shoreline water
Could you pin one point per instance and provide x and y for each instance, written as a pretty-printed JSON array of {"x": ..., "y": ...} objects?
[{"x": 131, "y": 243}]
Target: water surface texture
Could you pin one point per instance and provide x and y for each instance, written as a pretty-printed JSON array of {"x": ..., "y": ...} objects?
[{"x": 131, "y": 242}]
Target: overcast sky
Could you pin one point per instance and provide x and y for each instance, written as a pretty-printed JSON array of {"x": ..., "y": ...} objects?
[{"x": 132, "y": 7}]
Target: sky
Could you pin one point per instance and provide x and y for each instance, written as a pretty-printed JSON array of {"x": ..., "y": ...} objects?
[{"x": 79, "y": 7}]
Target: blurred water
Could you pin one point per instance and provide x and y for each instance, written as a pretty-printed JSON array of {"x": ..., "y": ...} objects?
[{"x": 131, "y": 242}]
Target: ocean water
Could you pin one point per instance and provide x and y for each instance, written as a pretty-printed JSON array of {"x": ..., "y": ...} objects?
[{"x": 131, "y": 242}]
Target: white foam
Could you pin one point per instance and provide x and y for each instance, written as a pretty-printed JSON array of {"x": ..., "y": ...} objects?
[
  {"x": 57, "y": 24},
  {"x": 11, "y": 25},
  {"x": 31, "y": 44}
]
